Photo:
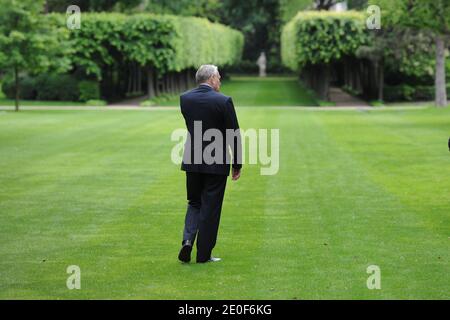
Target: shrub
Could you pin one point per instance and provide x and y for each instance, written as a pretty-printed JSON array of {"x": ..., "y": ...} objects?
[
  {"x": 27, "y": 88},
  {"x": 402, "y": 92},
  {"x": 376, "y": 103},
  {"x": 406, "y": 92},
  {"x": 89, "y": 90},
  {"x": 96, "y": 103},
  {"x": 424, "y": 93},
  {"x": 447, "y": 69},
  {"x": 147, "y": 103},
  {"x": 9, "y": 88},
  {"x": 57, "y": 87},
  {"x": 319, "y": 37},
  {"x": 165, "y": 42}
]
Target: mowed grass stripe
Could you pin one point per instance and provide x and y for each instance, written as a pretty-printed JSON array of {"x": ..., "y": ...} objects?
[
  {"x": 343, "y": 199},
  {"x": 344, "y": 222},
  {"x": 406, "y": 154},
  {"x": 90, "y": 189},
  {"x": 256, "y": 92}
]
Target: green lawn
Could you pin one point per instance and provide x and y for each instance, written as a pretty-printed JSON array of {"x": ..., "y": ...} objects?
[
  {"x": 270, "y": 91},
  {"x": 97, "y": 189},
  {"x": 246, "y": 91}
]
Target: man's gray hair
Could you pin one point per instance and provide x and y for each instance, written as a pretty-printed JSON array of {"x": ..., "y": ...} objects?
[{"x": 205, "y": 72}]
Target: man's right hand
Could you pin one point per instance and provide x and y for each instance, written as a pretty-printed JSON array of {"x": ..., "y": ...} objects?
[{"x": 236, "y": 174}]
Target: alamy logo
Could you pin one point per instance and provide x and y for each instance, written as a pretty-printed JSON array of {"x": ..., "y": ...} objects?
[
  {"x": 373, "y": 22},
  {"x": 374, "y": 280},
  {"x": 208, "y": 147},
  {"x": 73, "y": 13},
  {"x": 74, "y": 280}
]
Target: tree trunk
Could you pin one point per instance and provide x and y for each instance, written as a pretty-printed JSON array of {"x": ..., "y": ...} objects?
[
  {"x": 17, "y": 88},
  {"x": 130, "y": 80},
  {"x": 440, "y": 86},
  {"x": 150, "y": 83},
  {"x": 158, "y": 86},
  {"x": 381, "y": 80},
  {"x": 139, "y": 79},
  {"x": 322, "y": 82}
]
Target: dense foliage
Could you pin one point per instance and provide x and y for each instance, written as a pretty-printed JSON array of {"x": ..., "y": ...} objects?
[
  {"x": 91, "y": 5},
  {"x": 314, "y": 37},
  {"x": 164, "y": 42},
  {"x": 28, "y": 44},
  {"x": 199, "y": 43},
  {"x": 289, "y": 8},
  {"x": 432, "y": 17},
  {"x": 54, "y": 87},
  {"x": 258, "y": 20}
]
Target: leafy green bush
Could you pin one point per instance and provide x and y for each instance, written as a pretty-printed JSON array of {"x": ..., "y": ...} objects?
[
  {"x": 27, "y": 88},
  {"x": 447, "y": 69},
  {"x": 98, "y": 103},
  {"x": 402, "y": 92},
  {"x": 315, "y": 37},
  {"x": 351, "y": 91},
  {"x": 89, "y": 90},
  {"x": 56, "y": 87},
  {"x": 406, "y": 92},
  {"x": 376, "y": 103},
  {"x": 424, "y": 93},
  {"x": 147, "y": 103}
]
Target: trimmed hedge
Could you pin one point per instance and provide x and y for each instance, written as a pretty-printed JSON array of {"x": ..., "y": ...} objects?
[
  {"x": 316, "y": 37},
  {"x": 202, "y": 42},
  {"x": 105, "y": 38},
  {"x": 164, "y": 42}
]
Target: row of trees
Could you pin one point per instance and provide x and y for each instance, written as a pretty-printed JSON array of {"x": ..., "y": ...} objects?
[
  {"x": 411, "y": 30},
  {"x": 432, "y": 18},
  {"x": 107, "y": 44},
  {"x": 258, "y": 20},
  {"x": 312, "y": 40}
]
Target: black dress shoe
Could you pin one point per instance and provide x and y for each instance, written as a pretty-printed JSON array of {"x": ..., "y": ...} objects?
[{"x": 185, "y": 252}]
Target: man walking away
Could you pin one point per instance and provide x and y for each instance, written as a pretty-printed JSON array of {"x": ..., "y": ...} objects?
[{"x": 204, "y": 108}]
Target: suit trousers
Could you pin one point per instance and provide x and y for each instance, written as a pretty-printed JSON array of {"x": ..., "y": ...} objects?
[{"x": 205, "y": 194}]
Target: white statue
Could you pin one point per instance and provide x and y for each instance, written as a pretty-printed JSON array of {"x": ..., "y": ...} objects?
[{"x": 262, "y": 62}]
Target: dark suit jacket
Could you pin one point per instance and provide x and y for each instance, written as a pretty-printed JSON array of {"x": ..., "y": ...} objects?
[{"x": 215, "y": 111}]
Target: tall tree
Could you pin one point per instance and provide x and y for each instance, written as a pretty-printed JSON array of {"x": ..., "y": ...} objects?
[
  {"x": 28, "y": 43},
  {"x": 429, "y": 15},
  {"x": 351, "y": 4},
  {"x": 259, "y": 20},
  {"x": 92, "y": 5},
  {"x": 289, "y": 8},
  {"x": 398, "y": 48},
  {"x": 325, "y": 4},
  {"x": 200, "y": 8},
  {"x": 357, "y": 4}
]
